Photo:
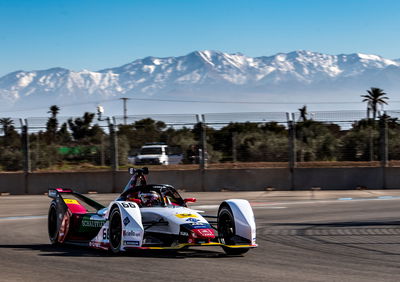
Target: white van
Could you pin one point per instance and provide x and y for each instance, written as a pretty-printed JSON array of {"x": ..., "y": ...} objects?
[{"x": 156, "y": 154}]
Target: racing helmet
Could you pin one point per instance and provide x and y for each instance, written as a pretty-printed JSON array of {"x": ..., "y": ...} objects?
[{"x": 149, "y": 198}]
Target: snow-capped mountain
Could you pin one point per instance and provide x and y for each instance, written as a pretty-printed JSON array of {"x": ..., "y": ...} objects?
[{"x": 207, "y": 73}]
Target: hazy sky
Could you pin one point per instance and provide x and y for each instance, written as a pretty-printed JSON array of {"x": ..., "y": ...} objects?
[{"x": 96, "y": 34}]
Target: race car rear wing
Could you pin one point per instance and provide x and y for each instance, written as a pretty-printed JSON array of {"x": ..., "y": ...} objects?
[{"x": 57, "y": 193}]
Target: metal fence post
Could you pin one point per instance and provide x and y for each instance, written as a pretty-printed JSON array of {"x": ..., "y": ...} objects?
[
  {"x": 26, "y": 153},
  {"x": 102, "y": 153},
  {"x": 292, "y": 142},
  {"x": 234, "y": 147},
  {"x": 25, "y": 146},
  {"x": 114, "y": 145},
  {"x": 371, "y": 142},
  {"x": 203, "y": 145},
  {"x": 114, "y": 152},
  {"x": 383, "y": 147},
  {"x": 383, "y": 141},
  {"x": 203, "y": 153},
  {"x": 291, "y": 147}
]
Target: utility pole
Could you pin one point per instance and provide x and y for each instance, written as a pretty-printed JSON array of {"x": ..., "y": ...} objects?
[{"x": 125, "y": 109}]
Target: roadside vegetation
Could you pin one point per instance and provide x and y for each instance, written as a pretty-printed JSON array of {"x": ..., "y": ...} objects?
[{"x": 80, "y": 143}]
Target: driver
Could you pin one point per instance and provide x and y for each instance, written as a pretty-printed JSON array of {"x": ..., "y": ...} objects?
[{"x": 150, "y": 199}]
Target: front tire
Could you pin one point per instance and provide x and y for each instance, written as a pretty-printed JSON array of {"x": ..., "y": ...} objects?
[
  {"x": 115, "y": 230},
  {"x": 226, "y": 231}
]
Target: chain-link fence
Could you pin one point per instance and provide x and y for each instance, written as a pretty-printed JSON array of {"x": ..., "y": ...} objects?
[
  {"x": 336, "y": 136},
  {"x": 247, "y": 137},
  {"x": 163, "y": 139},
  {"x": 60, "y": 143},
  {"x": 209, "y": 140}
]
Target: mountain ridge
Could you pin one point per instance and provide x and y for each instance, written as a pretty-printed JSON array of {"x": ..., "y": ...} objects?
[{"x": 207, "y": 72}]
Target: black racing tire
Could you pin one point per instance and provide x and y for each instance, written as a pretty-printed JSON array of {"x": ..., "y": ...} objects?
[
  {"x": 226, "y": 231},
  {"x": 52, "y": 224},
  {"x": 115, "y": 230}
]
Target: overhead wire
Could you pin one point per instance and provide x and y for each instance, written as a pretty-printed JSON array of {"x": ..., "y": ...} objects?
[{"x": 132, "y": 99}]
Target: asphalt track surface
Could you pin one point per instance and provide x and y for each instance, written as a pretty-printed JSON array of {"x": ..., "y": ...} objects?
[{"x": 302, "y": 236}]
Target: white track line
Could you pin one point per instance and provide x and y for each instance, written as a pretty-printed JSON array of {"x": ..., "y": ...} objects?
[
  {"x": 339, "y": 200},
  {"x": 255, "y": 205},
  {"x": 23, "y": 217},
  {"x": 281, "y": 205}
]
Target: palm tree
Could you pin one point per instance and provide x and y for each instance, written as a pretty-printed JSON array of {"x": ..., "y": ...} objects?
[
  {"x": 52, "y": 124},
  {"x": 7, "y": 124},
  {"x": 375, "y": 97},
  {"x": 54, "y": 110}
]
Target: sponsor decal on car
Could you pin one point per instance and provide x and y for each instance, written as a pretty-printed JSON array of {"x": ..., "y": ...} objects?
[
  {"x": 131, "y": 233},
  {"x": 185, "y": 215},
  {"x": 126, "y": 221},
  {"x": 206, "y": 232},
  {"x": 183, "y": 233},
  {"x": 87, "y": 222},
  {"x": 131, "y": 243},
  {"x": 192, "y": 219},
  {"x": 196, "y": 225},
  {"x": 71, "y": 201},
  {"x": 88, "y": 225},
  {"x": 201, "y": 226},
  {"x": 99, "y": 245}
]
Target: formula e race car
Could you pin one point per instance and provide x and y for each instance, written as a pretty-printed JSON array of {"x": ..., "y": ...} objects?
[{"x": 148, "y": 216}]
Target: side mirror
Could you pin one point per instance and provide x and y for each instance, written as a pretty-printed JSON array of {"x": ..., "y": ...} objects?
[
  {"x": 190, "y": 200},
  {"x": 137, "y": 201}
]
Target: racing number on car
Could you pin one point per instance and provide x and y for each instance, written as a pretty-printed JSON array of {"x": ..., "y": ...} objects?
[
  {"x": 106, "y": 234},
  {"x": 128, "y": 205}
]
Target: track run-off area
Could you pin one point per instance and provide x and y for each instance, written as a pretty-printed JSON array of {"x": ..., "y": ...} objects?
[{"x": 302, "y": 236}]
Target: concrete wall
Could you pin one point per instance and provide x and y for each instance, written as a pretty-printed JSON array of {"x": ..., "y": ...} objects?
[
  {"x": 209, "y": 180},
  {"x": 341, "y": 178},
  {"x": 12, "y": 183},
  {"x": 247, "y": 179},
  {"x": 79, "y": 181}
]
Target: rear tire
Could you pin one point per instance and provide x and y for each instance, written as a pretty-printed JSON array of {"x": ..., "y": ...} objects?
[
  {"x": 115, "y": 230},
  {"x": 52, "y": 224},
  {"x": 226, "y": 231}
]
